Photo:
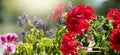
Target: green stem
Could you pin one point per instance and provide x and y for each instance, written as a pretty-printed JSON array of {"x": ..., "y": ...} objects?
[{"x": 94, "y": 47}]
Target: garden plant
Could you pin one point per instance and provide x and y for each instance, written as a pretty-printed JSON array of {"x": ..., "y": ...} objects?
[{"x": 78, "y": 32}]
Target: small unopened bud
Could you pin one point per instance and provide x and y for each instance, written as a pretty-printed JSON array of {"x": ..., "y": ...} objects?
[
  {"x": 81, "y": 44},
  {"x": 91, "y": 38}
]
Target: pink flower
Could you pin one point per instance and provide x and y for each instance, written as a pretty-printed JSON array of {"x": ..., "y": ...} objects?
[
  {"x": 11, "y": 37},
  {"x": 81, "y": 44},
  {"x": 10, "y": 48},
  {"x": 57, "y": 11},
  {"x": 2, "y": 39},
  {"x": 7, "y": 38},
  {"x": 88, "y": 49},
  {"x": 91, "y": 38},
  {"x": 6, "y": 41}
]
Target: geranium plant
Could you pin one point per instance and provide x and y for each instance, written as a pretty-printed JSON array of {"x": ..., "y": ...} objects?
[{"x": 78, "y": 32}]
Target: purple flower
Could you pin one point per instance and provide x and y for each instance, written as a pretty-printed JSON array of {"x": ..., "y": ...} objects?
[
  {"x": 23, "y": 32},
  {"x": 62, "y": 21},
  {"x": 40, "y": 24},
  {"x": 70, "y": 5},
  {"x": 36, "y": 21},
  {"x": 49, "y": 33},
  {"x": 24, "y": 16},
  {"x": 22, "y": 20}
]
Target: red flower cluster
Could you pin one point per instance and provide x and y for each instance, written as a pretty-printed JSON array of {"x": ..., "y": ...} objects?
[
  {"x": 114, "y": 14},
  {"x": 115, "y": 35},
  {"x": 68, "y": 45},
  {"x": 116, "y": 21},
  {"x": 115, "y": 39},
  {"x": 111, "y": 13},
  {"x": 57, "y": 11},
  {"x": 77, "y": 18}
]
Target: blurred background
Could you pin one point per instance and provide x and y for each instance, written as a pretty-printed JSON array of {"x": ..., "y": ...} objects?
[{"x": 11, "y": 9}]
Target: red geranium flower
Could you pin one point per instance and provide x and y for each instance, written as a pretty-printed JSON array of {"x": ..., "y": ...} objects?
[
  {"x": 77, "y": 17},
  {"x": 117, "y": 16},
  {"x": 116, "y": 20},
  {"x": 77, "y": 25},
  {"x": 116, "y": 24},
  {"x": 81, "y": 11},
  {"x": 68, "y": 45},
  {"x": 57, "y": 11},
  {"x": 111, "y": 13},
  {"x": 115, "y": 39}
]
